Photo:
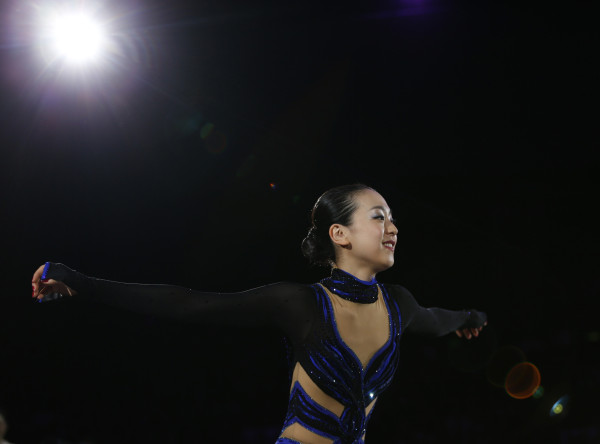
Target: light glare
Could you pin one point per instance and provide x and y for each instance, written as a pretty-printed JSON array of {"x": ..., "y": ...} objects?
[{"x": 77, "y": 38}]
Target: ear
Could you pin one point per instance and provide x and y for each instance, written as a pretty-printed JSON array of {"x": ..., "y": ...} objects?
[{"x": 339, "y": 235}]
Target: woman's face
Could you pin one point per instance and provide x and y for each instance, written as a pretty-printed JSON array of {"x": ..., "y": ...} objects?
[{"x": 372, "y": 233}]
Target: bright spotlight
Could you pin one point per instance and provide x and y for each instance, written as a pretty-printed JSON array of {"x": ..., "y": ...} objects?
[
  {"x": 73, "y": 38},
  {"x": 77, "y": 38}
]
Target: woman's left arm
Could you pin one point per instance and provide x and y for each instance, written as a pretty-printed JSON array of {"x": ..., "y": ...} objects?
[{"x": 436, "y": 321}]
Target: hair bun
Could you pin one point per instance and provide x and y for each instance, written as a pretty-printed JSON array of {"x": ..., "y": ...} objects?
[{"x": 334, "y": 206}]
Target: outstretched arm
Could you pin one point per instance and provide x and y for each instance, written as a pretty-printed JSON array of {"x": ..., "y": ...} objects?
[
  {"x": 436, "y": 321},
  {"x": 287, "y": 305}
]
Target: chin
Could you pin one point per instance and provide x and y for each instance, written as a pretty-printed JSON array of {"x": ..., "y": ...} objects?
[{"x": 385, "y": 266}]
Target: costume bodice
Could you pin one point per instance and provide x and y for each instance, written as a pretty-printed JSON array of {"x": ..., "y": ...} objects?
[{"x": 336, "y": 368}]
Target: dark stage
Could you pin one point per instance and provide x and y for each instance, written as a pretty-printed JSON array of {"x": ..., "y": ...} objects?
[{"x": 192, "y": 153}]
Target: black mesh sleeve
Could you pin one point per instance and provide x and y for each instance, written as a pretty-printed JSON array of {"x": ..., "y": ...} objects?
[
  {"x": 289, "y": 306},
  {"x": 432, "y": 321}
]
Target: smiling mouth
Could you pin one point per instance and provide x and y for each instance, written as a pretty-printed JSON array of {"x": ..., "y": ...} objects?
[{"x": 389, "y": 245}]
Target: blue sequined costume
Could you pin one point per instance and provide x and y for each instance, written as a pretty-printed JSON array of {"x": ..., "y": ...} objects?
[
  {"x": 336, "y": 369},
  {"x": 305, "y": 315}
]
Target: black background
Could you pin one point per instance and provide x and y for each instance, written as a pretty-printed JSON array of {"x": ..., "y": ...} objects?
[{"x": 477, "y": 121}]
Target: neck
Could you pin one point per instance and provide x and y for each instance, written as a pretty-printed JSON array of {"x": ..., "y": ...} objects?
[
  {"x": 350, "y": 287},
  {"x": 362, "y": 273}
]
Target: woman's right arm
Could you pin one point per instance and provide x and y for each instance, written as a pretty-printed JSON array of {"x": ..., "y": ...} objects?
[{"x": 279, "y": 304}]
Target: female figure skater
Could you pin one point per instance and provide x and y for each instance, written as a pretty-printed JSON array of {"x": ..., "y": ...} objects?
[{"x": 344, "y": 331}]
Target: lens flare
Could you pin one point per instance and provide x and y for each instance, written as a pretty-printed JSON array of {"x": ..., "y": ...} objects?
[
  {"x": 523, "y": 380},
  {"x": 559, "y": 406}
]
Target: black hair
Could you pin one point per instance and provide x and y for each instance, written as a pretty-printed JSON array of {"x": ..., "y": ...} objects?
[{"x": 334, "y": 206}]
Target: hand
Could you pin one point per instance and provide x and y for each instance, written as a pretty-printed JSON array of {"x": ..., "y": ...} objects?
[
  {"x": 469, "y": 332},
  {"x": 49, "y": 286}
]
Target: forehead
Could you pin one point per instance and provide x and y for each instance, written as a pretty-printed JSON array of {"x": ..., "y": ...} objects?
[{"x": 367, "y": 199}]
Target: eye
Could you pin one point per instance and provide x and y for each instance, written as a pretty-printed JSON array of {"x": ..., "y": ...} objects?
[{"x": 379, "y": 216}]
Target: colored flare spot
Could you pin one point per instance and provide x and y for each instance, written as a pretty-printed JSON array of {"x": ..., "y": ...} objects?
[
  {"x": 523, "y": 380},
  {"x": 560, "y": 407}
]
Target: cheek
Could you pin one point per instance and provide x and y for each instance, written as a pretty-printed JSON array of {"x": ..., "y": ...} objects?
[{"x": 373, "y": 238}]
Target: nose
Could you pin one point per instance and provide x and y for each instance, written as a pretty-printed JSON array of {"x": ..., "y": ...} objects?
[{"x": 391, "y": 228}]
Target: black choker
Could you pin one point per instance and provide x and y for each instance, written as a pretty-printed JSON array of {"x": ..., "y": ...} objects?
[{"x": 351, "y": 288}]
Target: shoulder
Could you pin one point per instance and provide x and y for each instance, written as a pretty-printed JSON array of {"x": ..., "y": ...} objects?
[
  {"x": 289, "y": 293},
  {"x": 399, "y": 292},
  {"x": 403, "y": 297},
  {"x": 294, "y": 307}
]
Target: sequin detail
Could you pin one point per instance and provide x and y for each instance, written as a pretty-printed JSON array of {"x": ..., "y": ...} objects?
[
  {"x": 338, "y": 372},
  {"x": 304, "y": 411},
  {"x": 350, "y": 287}
]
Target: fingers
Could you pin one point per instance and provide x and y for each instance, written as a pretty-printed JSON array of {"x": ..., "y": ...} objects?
[
  {"x": 43, "y": 289},
  {"x": 48, "y": 287},
  {"x": 465, "y": 332},
  {"x": 38, "y": 274},
  {"x": 469, "y": 333},
  {"x": 51, "y": 289},
  {"x": 51, "y": 296},
  {"x": 36, "y": 283}
]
